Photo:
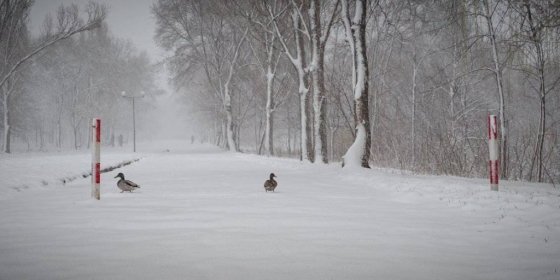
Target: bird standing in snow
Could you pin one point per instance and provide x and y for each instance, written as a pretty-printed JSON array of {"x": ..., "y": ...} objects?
[
  {"x": 271, "y": 184},
  {"x": 126, "y": 185}
]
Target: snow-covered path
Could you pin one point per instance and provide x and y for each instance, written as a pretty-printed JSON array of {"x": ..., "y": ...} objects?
[{"x": 203, "y": 214}]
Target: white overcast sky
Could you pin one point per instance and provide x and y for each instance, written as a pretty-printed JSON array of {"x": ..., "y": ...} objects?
[{"x": 127, "y": 19}]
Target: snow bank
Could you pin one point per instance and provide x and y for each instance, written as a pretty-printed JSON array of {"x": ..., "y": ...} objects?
[
  {"x": 40, "y": 171},
  {"x": 353, "y": 157}
]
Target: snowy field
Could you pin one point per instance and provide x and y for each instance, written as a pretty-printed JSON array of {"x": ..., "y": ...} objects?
[{"x": 203, "y": 214}]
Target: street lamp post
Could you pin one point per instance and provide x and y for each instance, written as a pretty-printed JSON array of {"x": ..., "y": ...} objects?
[{"x": 133, "y": 115}]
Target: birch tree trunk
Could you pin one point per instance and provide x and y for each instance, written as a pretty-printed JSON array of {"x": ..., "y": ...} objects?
[
  {"x": 305, "y": 121},
  {"x": 9, "y": 90},
  {"x": 317, "y": 72},
  {"x": 298, "y": 61},
  {"x": 270, "y": 73},
  {"x": 230, "y": 136},
  {"x": 269, "y": 139}
]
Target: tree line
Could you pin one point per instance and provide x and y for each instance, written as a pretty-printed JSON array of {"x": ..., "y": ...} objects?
[
  {"x": 401, "y": 84},
  {"x": 53, "y": 83}
]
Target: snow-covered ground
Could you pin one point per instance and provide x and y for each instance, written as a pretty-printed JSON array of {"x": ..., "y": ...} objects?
[
  {"x": 20, "y": 172},
  {"x": 202, "y": 213}
]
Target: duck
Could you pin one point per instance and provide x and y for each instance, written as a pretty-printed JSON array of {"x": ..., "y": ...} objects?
[
  {"x": 271, "y": 184},
  {"x": 126, "y": 185}
]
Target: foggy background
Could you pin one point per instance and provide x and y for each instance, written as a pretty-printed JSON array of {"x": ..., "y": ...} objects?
[
  {"x": 257, "y": 77},
  {"x": 132, "y": 20}
]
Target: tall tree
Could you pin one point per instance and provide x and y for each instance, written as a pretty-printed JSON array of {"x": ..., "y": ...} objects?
[
  {"x": 538, "y": 20},
  {"x": 490, "y": 14},
  {"x": 319, "y": 39},
  {"x": 299, "y": 62},
  {"x": 269, "y": 66},
  {"x": 358, "y": 154},
  {"x": 268, "y": 58}
]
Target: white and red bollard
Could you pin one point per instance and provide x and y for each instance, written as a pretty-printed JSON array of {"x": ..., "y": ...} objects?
[
  {"x": 96, "y": 160},
  {"x": 493, "y": 149}
]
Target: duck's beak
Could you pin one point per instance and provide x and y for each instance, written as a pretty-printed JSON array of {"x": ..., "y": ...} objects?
[{"x": 117, "y": 176}]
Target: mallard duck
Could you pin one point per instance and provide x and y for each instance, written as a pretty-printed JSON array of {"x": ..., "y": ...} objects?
[
  {"x": 271, "y": 184},
  {"x": 126, "y": 185}
]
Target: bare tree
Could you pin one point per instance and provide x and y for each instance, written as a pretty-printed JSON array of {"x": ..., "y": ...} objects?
[
  {"x": 203, "y": 33},
  {"x": 358, "y": 154},
  {"x": 300, "y": 64},
  {"x": 265, "y": 34},
  {"x": 16, "y": 51},
  {"x": 538, "y": 19},
  {"x": 490, "y": 14},
  {"x": 80, "y": 78}
]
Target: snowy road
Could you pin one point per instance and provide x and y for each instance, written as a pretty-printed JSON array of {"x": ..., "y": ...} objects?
[{"x": 203, "y": 214}]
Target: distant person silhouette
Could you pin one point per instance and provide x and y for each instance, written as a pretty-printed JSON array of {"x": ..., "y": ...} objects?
[{"x": 192, "y": 139}]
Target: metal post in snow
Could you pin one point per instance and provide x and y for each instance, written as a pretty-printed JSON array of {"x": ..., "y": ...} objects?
[
  {"x": 96, "y": 160},
  {"x": 133, "y": 115},
  {"x": 493, "y": 149}
]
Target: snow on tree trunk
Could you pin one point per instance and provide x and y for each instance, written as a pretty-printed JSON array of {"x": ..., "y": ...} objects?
[
  {"x": 269, "y": 142},
  {"x": 230, "y": 137},
  {"x": 8, "y": 89},
  {"x": 356, "y": 34},
  {"x": 317, "y": 66},
  {"x": 229, "y": 122},
  {"x": 304, "y": 125},
  {"x": 355, "y": 154},
  {"x": 306, "y": 141},
  {"x": 269, "y": 70},
  {"x": 222, "y": 142},
  {"x": 299, "y": 64}
]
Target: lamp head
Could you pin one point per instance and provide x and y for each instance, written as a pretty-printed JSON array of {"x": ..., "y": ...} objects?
[{"x": 123, "y": 93}]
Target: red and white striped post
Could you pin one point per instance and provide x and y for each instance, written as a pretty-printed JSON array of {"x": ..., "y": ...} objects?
[
  {"x": 493, "y": 149},
  {"x": 96, "y": 160}
]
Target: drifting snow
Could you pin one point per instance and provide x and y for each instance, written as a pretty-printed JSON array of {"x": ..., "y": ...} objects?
[
  {"x": 353, "y": 157},
  {"x": 204, "y": 214}
]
